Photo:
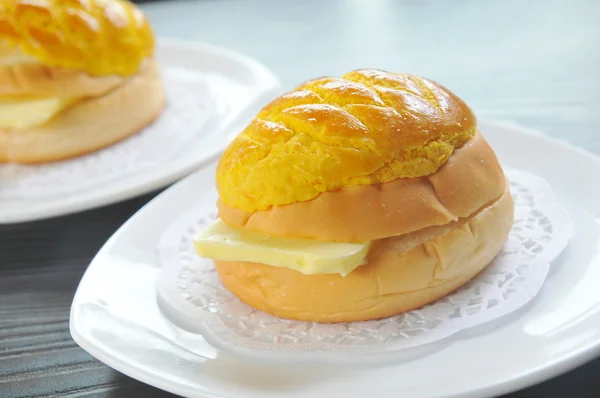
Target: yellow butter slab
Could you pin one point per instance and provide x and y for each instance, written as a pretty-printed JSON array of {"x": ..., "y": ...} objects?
[
  {"x": 23, "y": 114},
  {"x": 222, "y": 242}
]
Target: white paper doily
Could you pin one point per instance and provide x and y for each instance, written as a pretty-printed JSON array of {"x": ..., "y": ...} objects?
[
  {"x": 191, "y": 109},
  {"x": 192, "y": 297}
]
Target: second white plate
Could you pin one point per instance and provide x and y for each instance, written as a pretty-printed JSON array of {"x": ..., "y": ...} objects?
[{"x": 212, "y": 93}]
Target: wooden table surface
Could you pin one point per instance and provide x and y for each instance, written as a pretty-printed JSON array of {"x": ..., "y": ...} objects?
[{"x": 533, "y": 63}]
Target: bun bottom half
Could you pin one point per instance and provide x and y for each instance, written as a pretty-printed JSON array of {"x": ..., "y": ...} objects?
[
  {"x": 402, "y": 272},
  {"x": 90, "y": 124}
]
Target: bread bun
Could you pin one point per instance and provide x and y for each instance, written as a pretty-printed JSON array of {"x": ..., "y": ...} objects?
[
  {"x": 393, "y": 159},
  {"x": 91, "y": 124},
  {"x": 95, "y": 55}
]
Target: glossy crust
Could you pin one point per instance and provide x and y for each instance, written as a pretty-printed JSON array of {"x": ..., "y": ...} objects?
[
  {"x": 368, "y": 127},
  {"x": 91, "y": 124},
  {"x": 402, "y": 273},
  {"x": 469, "y": 180},
  {"x": 100, "y": 37}
]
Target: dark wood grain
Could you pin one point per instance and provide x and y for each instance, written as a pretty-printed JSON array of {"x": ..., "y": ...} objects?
[{"x": 41, "y": 264}]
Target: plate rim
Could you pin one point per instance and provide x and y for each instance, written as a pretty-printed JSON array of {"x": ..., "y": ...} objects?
[
  {"x": 89, "y": 201},
  {"x": 534, "y": 376}
]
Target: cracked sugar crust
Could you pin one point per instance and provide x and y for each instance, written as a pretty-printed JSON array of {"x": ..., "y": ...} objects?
[
  {"x": 101, "y": 37},
  {"x": 367, "y": 127}
]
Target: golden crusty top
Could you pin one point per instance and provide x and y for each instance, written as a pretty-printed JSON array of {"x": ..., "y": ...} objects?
[
  {"x": 368, "y": 127},
  {"x": 101, "y": 37}
]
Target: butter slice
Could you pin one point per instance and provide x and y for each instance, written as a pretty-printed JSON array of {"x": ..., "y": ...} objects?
[
  {"x": 222, "y": 242},
  {"x": 23, "y": 114}
]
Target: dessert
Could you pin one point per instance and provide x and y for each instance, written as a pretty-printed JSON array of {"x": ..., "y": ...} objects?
[
  {"x": 357, "y": 198},
  {"x": 75, "y": 76}
]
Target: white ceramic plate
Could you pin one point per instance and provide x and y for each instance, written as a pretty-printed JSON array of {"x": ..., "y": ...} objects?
[
  {"x": 115, "y": 316},
  {"x": 212, "y": 93}
]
